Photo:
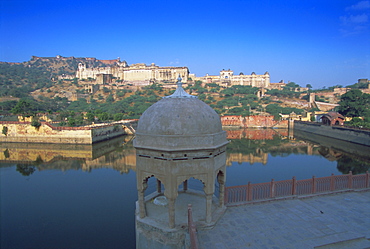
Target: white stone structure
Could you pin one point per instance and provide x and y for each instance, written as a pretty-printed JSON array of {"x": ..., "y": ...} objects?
[
  {"x": 253, "y": 79},
  {"x": 178, "y": 138},
  {"x": 228, "y": 78},
  {"x": 135, "y": 72}
]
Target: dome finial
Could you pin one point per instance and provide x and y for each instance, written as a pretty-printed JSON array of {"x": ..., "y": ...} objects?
[
  {"x": 179, "y": 83},
  {"x": 180, "y": 92}
]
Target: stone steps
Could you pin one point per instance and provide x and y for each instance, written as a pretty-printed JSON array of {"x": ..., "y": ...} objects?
[{"x": 356, "y": 243}]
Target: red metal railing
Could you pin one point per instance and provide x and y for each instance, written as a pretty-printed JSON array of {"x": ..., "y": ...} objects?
[
  {"x": 275, "y": 189},
  {"x": 192, "y": 229}
]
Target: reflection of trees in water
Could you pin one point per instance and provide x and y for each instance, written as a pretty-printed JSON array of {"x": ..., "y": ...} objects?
[
  {"x": 249, "y": 146},
  {"x": 330, "y": 154},
  {"x": 6, "y": 153},
  {"x": 275, "y": 147},
  {"x": 63, "y": 164},
  {"x": 26, "y": 169},
  {"x": 104, "y": 154},
  {"x": 347, "y": 164},
  {"x": 38, "y": 160},
  {"x": 286, "y": 151}
]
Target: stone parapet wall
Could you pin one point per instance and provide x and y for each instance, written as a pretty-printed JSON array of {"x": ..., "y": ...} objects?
[
  {"x": 256, "y": 134},
  {"x": 46, "y": 133},
  {"x": 352, "y": 135},
  {"x": 253, "y": 121}
]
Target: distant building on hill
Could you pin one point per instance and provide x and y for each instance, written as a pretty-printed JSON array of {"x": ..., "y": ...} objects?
[
  {"x": 131, "y": 73},
  {"x": 228, "y": 78}
]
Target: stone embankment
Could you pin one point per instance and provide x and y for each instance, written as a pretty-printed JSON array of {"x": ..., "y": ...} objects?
[
  {"x": 353, "y": 135},
  {"x": 258, "y": 121},
  {"x": 47, "y": 133}
]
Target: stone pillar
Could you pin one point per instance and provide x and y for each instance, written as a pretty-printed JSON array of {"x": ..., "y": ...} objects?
[
  {"x": 171, "y": 212},
  {"x": 311, "y": 99},
  {"x": 159, "y": 189},
  {"x": 221, "y": 182},
  {"x": 291, "y": 124},
  {"x": 142, "y": 211},
  {"x": 141, "y": 189},
  {"x": 209, "y": 208},
  {"x": 185, "y": 185}
]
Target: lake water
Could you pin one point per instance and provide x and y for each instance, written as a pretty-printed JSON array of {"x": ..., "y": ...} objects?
[{"x": 83, "y": 196}]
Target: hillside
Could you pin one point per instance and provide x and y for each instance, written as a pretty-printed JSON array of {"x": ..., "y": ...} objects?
[
  {"x": 47, "y": 84},
  {"x": 60, "y": 65},
  {"x": 19, "y": 79}
]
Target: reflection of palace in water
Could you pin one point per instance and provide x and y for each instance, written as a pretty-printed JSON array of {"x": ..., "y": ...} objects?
[
  {"x": 256, "y": 134},
  {"x": 254, "y": 146},
  {"x": 259, "y": 151},
  {"x": 250, "y": 158},
  {"x": 64, "y": 156}
]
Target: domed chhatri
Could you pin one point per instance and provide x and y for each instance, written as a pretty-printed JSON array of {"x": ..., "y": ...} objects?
[
  {"x": 178, "y": 138},
  {"x": 179, "y": 121}
]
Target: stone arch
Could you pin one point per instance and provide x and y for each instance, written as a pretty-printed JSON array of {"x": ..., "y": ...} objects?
[
  {"x": 220, "y": 176},
  {"x": 221, "y": 179}
]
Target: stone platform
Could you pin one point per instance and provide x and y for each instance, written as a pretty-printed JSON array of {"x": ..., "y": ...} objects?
[
  {"x": 329, "y": 221},
  {"x": 153, "y": 231}
]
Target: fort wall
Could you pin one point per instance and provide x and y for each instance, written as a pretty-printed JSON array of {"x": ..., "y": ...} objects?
[
  {"x": 134, "y": 72},
  {"x": 352, "y": 135},
  {"x": 253, "y": 121}
]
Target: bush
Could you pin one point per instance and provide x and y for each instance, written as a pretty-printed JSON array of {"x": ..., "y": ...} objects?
[
  {"x": 358, "y": 122},
  {"x": 36, "y": 124},
  {"x": 5, "y": 130}
]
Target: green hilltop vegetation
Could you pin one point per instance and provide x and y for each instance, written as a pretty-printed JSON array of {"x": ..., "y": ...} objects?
[{"x": 34, "y": 87}]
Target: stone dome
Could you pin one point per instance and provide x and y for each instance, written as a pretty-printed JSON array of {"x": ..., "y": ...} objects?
[{"x": 177, "y": 122}]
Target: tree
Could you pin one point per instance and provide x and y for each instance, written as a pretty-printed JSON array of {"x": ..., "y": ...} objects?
[
  {"x": 90, "y": 117},
  {"x": 291, "y": 86},
  {"x": 104, "y": 116},
  {"x": 71, "y": 122},
  {"x": 5, "y": 130},
  {"x": 117, "y": 116},
  {"x": 36, "y": 124},
  {"x": 110, "y": 98},
  {"x": 354, "y": 103},
  {"x": 22, "y": 107}
]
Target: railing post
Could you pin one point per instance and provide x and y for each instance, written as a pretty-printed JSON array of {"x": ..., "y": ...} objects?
[
  {"x": 367, "y": 179},
  {"x": 294, "y": 186},
  {"x": 313, "y": 184},
  {"x": 192, "y": 229},
  {"x": 272, "y": 189},
  {"x": 332, "y": 182},
  {"x": 350, "y": 179},
  {"x": 249, "y": 192},
  {"x": 226, "y": 196},
  {"x": 159, "y": 189}
]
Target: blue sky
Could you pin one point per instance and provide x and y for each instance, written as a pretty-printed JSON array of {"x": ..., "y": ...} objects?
[{"x": 317, "y": 42}]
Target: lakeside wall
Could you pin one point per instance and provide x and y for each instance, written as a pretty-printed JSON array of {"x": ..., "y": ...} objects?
[
  {"x": 352, "y": 135},
  {"x": 257, "y": 121},
  {"x": 46, "y": 133}
]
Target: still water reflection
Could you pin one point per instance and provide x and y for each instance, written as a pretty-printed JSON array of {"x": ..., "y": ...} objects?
[{"x": 83, "y": 196}]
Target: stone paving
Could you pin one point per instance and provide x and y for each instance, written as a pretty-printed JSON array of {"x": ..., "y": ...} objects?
[{"x": 342, "y": 219}]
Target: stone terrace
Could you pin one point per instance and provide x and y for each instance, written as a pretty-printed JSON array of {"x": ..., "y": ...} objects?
[{"x": 329, "y": 221}]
